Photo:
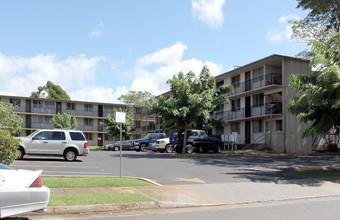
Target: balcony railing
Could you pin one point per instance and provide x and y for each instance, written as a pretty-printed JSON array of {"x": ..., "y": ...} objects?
[
  {"x": 259, "y": 82},
  {"x": 251, "y": 112}
]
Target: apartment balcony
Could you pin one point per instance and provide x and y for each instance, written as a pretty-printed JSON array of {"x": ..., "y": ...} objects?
[
  {"x": 148, "y": 128},
  {"x": 256, "y": 83},
  {"x": 254, "y": 111}
]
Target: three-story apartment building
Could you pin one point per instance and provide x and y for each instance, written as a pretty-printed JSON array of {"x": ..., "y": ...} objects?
[
  {"x": 258, "y": 104},
  {"x": 37, "y": 114}
]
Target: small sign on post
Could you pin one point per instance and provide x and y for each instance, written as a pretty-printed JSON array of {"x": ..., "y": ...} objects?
[{"x": 120, "y": 118}]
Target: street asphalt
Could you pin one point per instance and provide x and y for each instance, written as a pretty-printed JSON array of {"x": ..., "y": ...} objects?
[{"x": 212, "y": 194}]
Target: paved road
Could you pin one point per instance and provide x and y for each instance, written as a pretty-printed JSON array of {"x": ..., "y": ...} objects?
[
  {"x": 322, "y": 208},
  {"x": 169, "y": 170}
]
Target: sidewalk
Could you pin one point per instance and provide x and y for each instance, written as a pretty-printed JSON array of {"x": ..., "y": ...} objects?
[{"x": 199, "y": 195}]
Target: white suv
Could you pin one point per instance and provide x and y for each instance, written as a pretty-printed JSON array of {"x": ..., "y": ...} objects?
[{"x": 55, "y": 142}]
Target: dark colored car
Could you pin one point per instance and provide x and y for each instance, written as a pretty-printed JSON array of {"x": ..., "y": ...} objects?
[
  {"x": 126, "y": 145},
  {"x": 197, "y": 140},
  {"x": 147, "y": 140}
]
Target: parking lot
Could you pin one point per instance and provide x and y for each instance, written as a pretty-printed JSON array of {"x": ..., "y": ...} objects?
[{"x": 168, "y": 169}]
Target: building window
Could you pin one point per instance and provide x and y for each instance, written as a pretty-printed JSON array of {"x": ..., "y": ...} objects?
[
  {"x": 278, "y": 125},
  {"x": 258, "y": 74},
  {"x": 258, "y": 126},
  {"x": 235, "y": 105},
  {"x": 49, "y": 104},
  {"x": 37, "y": 119},
  {"x": 235, "y": 127},
  {"x": 70, "y": 106},
  {"x": 219, "y": 84},
  {"x": 138, "y": 110},
  {"x": 88, "y": 136},
  {"x": 15, "y": 102},
  {"x": 37, "y": 104},
  {"x": 219, "y": 130},
  {"x": 48, "y": 119},
  {"x": 258, "y": 100},
  {"x": 88, "y": 107},
  {"x": 108, "y": 138},
  {"x": 137, "y": 124},
  {"x": 88, "y": 121},
  {"x": 108, "y": 108},
  {"x": 235, "y": 81}
]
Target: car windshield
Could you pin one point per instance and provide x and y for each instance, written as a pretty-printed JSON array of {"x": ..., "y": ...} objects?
[
  {"x": 203, "y": 134},
  {"x": 149, "y": 136},
  {"x": 31, "y": 135},
  {"x": 4, "y": 167}
]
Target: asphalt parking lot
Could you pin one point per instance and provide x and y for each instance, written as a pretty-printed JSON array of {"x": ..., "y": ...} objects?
[{"x": 168, "y": 169}]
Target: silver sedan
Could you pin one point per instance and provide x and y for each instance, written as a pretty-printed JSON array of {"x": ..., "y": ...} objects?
[{"x": 21, "y": 191}]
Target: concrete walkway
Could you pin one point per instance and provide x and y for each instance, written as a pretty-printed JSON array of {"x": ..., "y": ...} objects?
[{"x": 235, "y": 193}]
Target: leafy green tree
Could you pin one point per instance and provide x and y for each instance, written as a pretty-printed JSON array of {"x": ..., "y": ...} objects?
[
  {"x": 192, "y": 102},
  {"x": 54, "y": 91},
  {"x": 319, "y": 103},
  {"x": 10, "y": 125},
  {"x": 64, "y": 121},
  {"x": 322, "y": 21},
  {"x": 113, "y": 127},
  {"x": 9, "y": 120},
  {"x": 136, "y": 98}
]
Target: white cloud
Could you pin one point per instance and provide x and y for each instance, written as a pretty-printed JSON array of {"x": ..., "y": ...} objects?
[
  {"x": 20, "y": 75},
  {"x": 283, "y": 31},
  {"x": 99, "y": 94},
  {"x": 153, "y": 70},
  {"x": 76, "y": 75},
  {"x": 209, "y": 11},
  {"x": 97, "y": 31}
]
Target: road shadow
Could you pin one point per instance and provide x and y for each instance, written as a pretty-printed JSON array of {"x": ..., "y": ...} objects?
[
  {"x": 142, "y": 155},
  {"x": 273, "y": 168},
  {"x": 48, "y": 159}
]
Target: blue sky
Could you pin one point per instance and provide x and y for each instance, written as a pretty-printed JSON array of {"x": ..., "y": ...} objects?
[{"x": 99, "y": 50}]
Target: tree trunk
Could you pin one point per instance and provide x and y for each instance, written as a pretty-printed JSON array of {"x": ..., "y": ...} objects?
[{"x": 184, "y": 149}]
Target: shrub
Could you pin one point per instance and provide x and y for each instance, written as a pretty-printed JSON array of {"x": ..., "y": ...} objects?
[{"x": 8, "y": 147}]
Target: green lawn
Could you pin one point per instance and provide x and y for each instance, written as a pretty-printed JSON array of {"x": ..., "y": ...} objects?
[
  {"x": 94, "y": 198},
  {"x": 86, "y": 182}
]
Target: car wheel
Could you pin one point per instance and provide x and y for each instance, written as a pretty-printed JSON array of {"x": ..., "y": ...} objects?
[
  {"x": 143, "y": 147},
  {"x": 20, "y": 153},
  {"x": 169, "y": 148},
  {"x": 70, "y": 155},
  {"x": 115, "y": 148},
  {"x": 190, "y": 149},
  {"x": 218, "y": 149},
  {"x": 178, "y": 149}
]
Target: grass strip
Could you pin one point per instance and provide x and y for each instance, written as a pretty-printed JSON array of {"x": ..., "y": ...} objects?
[
  {"x": 315, "y": 174},
  {"x": 96, "y": 148},
  {"x": 96, "y": 198},
  {"x": 86, "y": 182}
]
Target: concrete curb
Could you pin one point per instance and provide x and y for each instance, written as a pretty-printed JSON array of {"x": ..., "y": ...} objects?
[{"x": 100, "y": 208}]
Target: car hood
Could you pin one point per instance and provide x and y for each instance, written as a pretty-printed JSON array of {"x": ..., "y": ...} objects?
[{"x": 140, "y": 140}]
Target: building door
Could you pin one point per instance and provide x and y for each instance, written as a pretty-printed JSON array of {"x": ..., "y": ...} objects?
[
  {"x": 248, "y": 107},
  {"x": 100, "y": 139},
  {"x": 248, "y": 81},
  {"x": 28, "y": 105},
  {"x": 28, "y": 121},
  {"x": 100, "y": 111},
  {"x": 247, "y": 132},
  {"x": 58, "y": 108}
]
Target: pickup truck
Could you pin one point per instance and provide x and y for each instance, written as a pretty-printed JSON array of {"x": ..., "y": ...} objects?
[
  {"x": 148, "y": 140},
  {"x": 197, "y": 140}
]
